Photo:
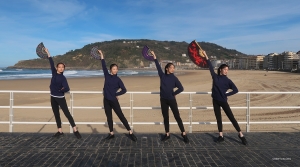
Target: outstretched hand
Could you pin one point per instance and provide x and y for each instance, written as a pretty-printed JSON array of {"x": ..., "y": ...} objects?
[
  {"x": 46, "y": 50},
  {"x": 153, "y": 54},
  {"x": 101, "y": 54},
  {"x": 204, "y": 53}
]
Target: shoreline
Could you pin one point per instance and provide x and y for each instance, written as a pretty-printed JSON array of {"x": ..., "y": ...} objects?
[{"x": 177, "y": 73}]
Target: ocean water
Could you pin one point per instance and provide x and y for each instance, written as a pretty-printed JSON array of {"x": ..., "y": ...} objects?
[{"x": 8, "y": 74}]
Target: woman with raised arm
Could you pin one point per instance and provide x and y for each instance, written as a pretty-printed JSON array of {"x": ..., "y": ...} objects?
[
  {"x": 58, "y": 87},
  {"x": 112, "y": 84},
  {"x": 168, "y": 81},
  {"x": 221, "y": 83}
]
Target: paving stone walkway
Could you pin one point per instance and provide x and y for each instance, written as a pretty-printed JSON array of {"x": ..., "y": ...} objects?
[{"x": 39, "y": 149}]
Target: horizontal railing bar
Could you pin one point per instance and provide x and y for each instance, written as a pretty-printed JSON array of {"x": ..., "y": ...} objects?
[
  {"x": 212, "y": 123},
  {"x": 32, "y": 107},
  {"x": 100, "y": 92},
  {"x": 276, "y": 122},
  {"x": 268, "y": 92},
  {"x": 261, "y": 122},
  {"x": 66, "y": 123},
  {"x": 151, "y": 108},
  {"x": 21, "y": 91},
  {"x": 276, "y": 107},
  {"x": 154, "y": 123},
  {"x": 157, "y": 123}
]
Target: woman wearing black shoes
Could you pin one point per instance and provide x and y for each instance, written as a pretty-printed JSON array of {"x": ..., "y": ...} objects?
[
  {"x": 111, "y": 85},
  {"x": 168, "y": 81},
  {"x": 58, "y": 87},
  {"x": 219, "y": 88}
]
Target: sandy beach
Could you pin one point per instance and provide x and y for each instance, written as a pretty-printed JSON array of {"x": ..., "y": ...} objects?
[{"x": 197, "y": 80}]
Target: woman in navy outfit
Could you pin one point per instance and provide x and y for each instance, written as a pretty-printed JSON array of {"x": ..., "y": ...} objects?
[
  {"x": 221, "y": 83},
  {"x": 111, "y": 101},
  {"x": 168, "y": 81},
  {"x": 58, "y": 87}
]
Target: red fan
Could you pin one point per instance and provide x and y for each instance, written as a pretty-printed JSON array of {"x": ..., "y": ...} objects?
[{"x": 195, "y": 56}]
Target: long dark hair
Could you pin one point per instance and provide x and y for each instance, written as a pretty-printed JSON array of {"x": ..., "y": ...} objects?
[
  {"x": 112, "y": 65},
  {"x": 221, "y": 67},
  {"x": 59, "y": 64},
  {"x": 167, "y": 66}
]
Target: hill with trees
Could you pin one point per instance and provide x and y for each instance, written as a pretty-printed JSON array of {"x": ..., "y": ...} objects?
[{"x": 128, "y": 54}]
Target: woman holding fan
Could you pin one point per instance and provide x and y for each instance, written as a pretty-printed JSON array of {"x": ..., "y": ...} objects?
[
  {"x": 219, "y": 88},
  {"x": 111, "y": 85},
  {"x": 58, "y": 87},
  {"x": 168, "y": 81}
]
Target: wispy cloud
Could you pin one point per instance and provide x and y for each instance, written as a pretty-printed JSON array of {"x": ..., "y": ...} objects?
[
  {"x": 252, "y": 27},
  {"x": 56, "y": 10}
]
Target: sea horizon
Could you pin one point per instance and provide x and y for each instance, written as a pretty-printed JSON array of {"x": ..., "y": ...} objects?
[{"x": 12, "y": 74}]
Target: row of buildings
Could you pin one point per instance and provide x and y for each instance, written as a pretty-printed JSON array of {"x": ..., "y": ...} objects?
[{"x": 272, "y": 61}]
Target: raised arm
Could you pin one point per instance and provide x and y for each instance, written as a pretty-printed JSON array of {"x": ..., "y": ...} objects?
[
  {"x": 122, "y": 87},
  {"x": 211, "y": 69},
  {"x": 179, "y": 86},
  {"x": 65, "y": 85},
  {"x": 158, "y": 67},
  {"x": 233, "y": 88},
  {"x": 53, "y": 69},
  {"x": 104, "y": 68}
]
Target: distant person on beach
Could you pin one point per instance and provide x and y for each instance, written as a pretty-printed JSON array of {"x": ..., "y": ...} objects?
[
  {"x": 168, "y": 81},
  {"x": 112, "y": 84},
  {"x": 58, "y": 87},
  {"x": 221, "y": 83}
]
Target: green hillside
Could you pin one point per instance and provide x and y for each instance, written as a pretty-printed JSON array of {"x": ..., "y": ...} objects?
[{"x": 128, "y": 54}]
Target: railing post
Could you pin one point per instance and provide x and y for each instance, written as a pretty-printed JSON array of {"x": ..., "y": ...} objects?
[
  {"x": 11, "y": 111},
  {"x": 191, "y": 114},
  {"x": 248, "y": 112},
  {"x": 71, "y": 110},
  {"x": 131, "y": 111}
]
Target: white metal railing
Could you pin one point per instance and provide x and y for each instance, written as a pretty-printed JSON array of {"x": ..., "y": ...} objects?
[{"x": 11, "y": 108}]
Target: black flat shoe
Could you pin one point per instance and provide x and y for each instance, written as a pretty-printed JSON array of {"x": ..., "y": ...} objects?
[
  {"x": 244, "y": 141},
  {"x": 165, "y": 138},
  {"x": 110, "y": 136},
  {"x": 185, "y": 138},
  {"x": 58, "y": 135},
  {"x": 220, "y": 139},
  {"x": 77, "y": 134},
  {"x": 133, "y": 137}
]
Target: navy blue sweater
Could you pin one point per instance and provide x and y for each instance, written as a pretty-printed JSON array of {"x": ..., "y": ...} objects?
[
  {"x": 220, "y": 85},
  {"x": 59, "y": 84},
  {"x": 167, "y": 84},
  {"x": 112, "y": 84}
]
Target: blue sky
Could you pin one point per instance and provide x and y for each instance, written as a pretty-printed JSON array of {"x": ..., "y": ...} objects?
[{"x": 252, "y": 27}]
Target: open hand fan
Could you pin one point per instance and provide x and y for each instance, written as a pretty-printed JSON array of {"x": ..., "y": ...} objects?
[
  {"x": 195, "y": 56},
  {"x": 146, "y": 53},
  {"x": 40, "y": 51},
  {"x": 94, "y": 53}
]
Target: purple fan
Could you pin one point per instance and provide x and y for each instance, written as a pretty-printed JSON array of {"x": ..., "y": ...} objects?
[
  {"x": 146, "y": 53},
  {"x": 40, "y": 51},
  {"x": 94, "y": 53}
]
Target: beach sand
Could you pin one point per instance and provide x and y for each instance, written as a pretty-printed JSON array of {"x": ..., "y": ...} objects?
[{"x": 194, "y": 80}]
